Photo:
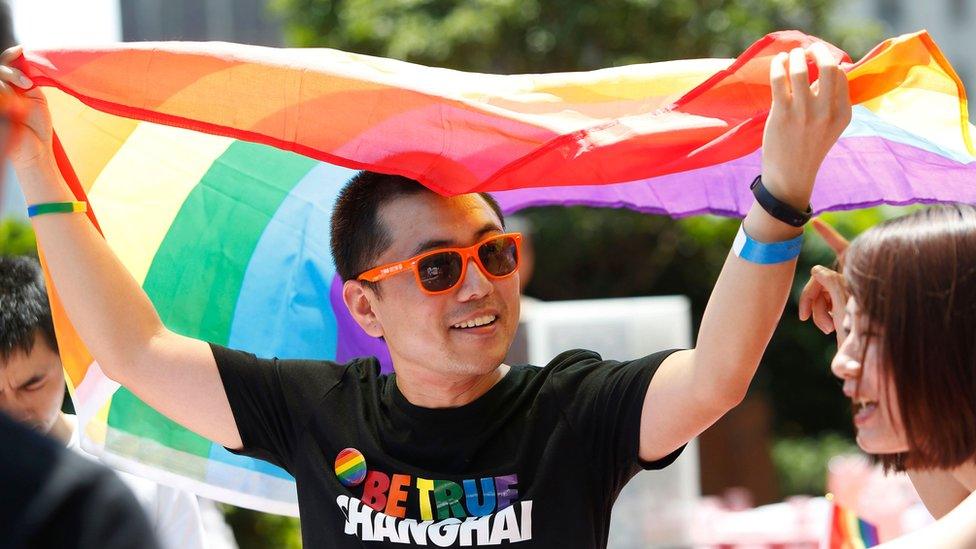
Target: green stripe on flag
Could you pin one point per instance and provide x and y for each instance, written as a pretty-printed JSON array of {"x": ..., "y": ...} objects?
[{"x": 197, "y": 272}]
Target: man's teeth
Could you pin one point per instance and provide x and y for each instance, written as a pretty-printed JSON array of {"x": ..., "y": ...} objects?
[{"x": 475, "y": 322}]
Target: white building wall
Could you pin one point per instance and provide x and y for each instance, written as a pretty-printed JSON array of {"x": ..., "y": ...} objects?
[{"x": 244, "y": 21}]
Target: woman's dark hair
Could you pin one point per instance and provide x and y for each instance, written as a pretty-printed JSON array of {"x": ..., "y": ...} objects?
[{"x": 914, "y": 278}]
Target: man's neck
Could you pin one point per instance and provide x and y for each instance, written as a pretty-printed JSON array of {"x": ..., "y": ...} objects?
[
  {"x": 62, "y": 430},
  {"x": 429, "y": 390}
]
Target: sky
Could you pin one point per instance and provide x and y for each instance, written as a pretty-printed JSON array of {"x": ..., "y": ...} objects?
[{"x": 78, "y": 23}]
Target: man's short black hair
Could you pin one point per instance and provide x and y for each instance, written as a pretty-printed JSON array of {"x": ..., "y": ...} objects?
[
  {"x": 358, "y": 236},
  {"x": 24, "y": 309}
]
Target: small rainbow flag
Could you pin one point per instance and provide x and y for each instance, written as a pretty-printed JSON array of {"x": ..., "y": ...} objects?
[
  {"x": 350, "y": 467},
  {"x": 848, "y": 531},
  {"x": 211, "y": 170}
]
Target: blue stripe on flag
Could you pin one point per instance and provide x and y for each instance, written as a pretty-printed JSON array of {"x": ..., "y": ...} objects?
[{"x": 283, "y": 310}]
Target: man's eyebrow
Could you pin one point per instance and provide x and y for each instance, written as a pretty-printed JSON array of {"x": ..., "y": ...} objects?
[
  {"x": 430, "y": 245},
  {"x": 487, "y": 228},
  {"x": 433, "y": 244}
]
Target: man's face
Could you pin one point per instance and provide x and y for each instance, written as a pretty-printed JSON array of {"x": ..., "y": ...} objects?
[
  {"x": 423, "y": 330},
  {"x": 32, "y": 386}
]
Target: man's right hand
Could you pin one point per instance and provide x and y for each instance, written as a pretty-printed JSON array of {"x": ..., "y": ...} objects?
[
  {"x": 174, "y": 374},
  {"x": 33, "y": 144}
]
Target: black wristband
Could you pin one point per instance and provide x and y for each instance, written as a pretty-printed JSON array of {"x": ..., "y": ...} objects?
[{"x": 777, "y": 208}]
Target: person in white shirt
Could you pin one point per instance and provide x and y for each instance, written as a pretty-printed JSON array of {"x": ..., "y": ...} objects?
[{"x": 32, "y": 390}]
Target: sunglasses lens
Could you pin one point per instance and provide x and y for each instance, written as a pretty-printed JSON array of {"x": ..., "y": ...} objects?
[
  {"x": 499, "y": 256},
  {"x": 438, "y": 272}
]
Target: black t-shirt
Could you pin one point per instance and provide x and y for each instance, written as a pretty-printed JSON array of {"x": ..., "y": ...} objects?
[{"x": 539, "y": 459}]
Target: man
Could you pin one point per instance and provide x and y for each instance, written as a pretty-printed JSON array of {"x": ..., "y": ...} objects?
[
  {"x": 32, "y": 392},
  {"x": 456, "y": 448}
]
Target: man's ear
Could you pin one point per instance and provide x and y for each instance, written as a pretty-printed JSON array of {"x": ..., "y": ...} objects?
[{"x": 357, "y": 299}]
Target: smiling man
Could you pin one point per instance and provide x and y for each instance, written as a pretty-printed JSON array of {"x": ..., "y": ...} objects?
[{"x": 455, "y": 448}]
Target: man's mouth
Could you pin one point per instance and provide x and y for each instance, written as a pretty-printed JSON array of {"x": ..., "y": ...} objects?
[{"x": 477, "y": 322}]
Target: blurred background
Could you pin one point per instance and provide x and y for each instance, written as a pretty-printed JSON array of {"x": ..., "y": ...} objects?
[{"x": 778, "y": 442}]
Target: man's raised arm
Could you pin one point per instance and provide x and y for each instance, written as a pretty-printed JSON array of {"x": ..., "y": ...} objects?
[
  {"x": 694, "y": 388},
  {"x": 174, "y": 374}
]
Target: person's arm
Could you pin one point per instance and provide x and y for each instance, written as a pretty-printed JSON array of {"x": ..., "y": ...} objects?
[
  {"x": 693, "y": 388},
  {"x": 939, "y": 490},
  {"x": 175, "y": 375},
  {"x": 956, "y": 529}
]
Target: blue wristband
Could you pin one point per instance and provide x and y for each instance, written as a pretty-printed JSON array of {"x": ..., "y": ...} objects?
[{"x": 765, "y": 253}]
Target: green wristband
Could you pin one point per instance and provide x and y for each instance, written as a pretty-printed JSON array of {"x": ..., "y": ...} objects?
[{"x": 56, "y": 207}]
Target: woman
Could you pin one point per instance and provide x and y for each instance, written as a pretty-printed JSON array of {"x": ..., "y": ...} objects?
[{"x": 905, "y": 315}]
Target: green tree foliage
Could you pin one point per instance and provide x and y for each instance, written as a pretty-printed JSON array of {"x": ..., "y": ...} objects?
[
  {"x": 16, "y": 238},
  {"x": 259, "y": 530},
  {"x": 801, "y": 463},
  {"x": 516, "y": 36}
]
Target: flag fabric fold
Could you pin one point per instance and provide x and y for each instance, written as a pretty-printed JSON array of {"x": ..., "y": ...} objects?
[
  {"x": 211, "y": 171},
  {"x": 846, "y": 530}
]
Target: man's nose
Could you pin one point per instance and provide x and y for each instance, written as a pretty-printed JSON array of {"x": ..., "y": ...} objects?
[{"x": 476, "y": 284}]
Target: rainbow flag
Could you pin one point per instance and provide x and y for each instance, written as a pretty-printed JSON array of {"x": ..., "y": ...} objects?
[
  {"x": 211, "y": 170},
  {"x": 848, "y": 531}
]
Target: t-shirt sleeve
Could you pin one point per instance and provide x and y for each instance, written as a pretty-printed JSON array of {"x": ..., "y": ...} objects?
[
  {"x": 602, "y": 401},
  {"x": 272, "y": 399}
]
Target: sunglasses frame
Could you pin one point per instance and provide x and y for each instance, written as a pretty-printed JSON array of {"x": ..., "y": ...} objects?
[{"x": 467, "y": 253}]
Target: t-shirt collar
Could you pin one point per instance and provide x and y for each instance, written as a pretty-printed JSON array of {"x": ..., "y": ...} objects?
[{"x": 476, "y": 408}]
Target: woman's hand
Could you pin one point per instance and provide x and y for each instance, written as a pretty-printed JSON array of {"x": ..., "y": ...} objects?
[{"x": 825, "y": 294}]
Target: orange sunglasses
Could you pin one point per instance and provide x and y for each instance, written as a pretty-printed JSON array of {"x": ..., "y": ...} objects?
[{"x": 439, "y": 271}]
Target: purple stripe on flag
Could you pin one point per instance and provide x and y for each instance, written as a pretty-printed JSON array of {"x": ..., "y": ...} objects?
[{"x": 859, "y": 172}]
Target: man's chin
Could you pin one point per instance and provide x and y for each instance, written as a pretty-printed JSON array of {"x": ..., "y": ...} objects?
[{"x": 479, "y": 363}]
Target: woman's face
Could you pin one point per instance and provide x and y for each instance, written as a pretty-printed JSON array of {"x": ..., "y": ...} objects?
[{"x": 858, "y": 363}]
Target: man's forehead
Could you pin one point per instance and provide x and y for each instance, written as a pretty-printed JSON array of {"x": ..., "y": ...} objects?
[
  {"x": 40, "y": 357},
  {"x": 18, "y": 369},
  {"x": 426, "y": 217}
]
